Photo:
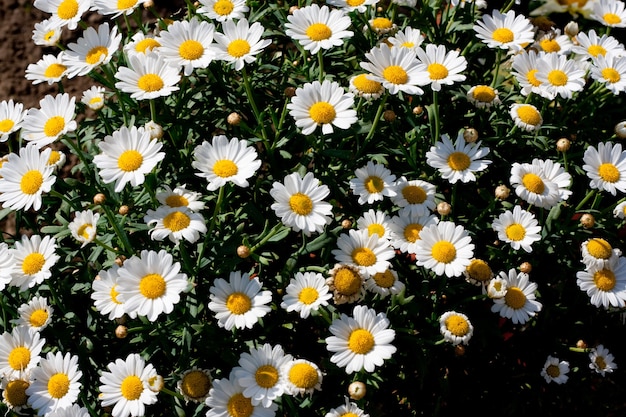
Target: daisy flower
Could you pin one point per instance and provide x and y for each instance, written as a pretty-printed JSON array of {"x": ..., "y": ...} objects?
[
  {"x": 47, "y": 33},
  {"x": 406, "y": 228},
  {"x": 113, "y": 10},
  {"x": 19, "y": 351},
  {"x": 53, "y": 119},
  {"x": 457, "y": 161},
  {"x": 348, "y": 409},
  {"x": 368, "y": 253},
  {"x": 150, "y": 284},
  {"x": 49, "y": 68},
  {"x": 259, "y": 373},
  {"x": 591, "y": 46},
  {"x": 524, "y": 68},
  {"x": 440, "y": 67},
  {"x": 444, "y": 248},
  {"x": 180, "y": 197},
  {"x": 373, "y": 182},
  {"x": 605, "y": 166},
  {"x": 361, "y": 86},
  {"x": 14, "y": 393},
  {"x": 348, "y": 6},
  {"x": 560, "y": 76},
  {"x": 222, "y": 10},
  {"x": 11, "y": 116},
  {"x": 305, "y": 293},
  {"x": 141, "y": 44},
  {"x": 598, "y": 252},
  {"x": 505, "y": 31},
  {"x": 347, "y": 283},
  {"x": 302, "y": 377},
  {"x": 195, "y": 384},
  {"x": 532, "y": 186},
  {"x": 409, "y": 38},
  {"x": 222, "y": 161},
  {"x": 33, "y": 257},
  {"x": 385, "y": 283},
  {"x": 415, "y": 197},
  {"x": 375, "y": 222},
  {"x": 299, "y": 203},
  {"x": 610, "y": 13},
  {"x": 526, "y": 116},
  {"x": 519, "y": 302},
  {"x": 455, "y": 328},
  {"x": 555, "y": 173},
  {"x": 323, "y": 104},
  {"x": 74, "y": 410},
  {"x": 94, "y": 48},
  {"x": 35, "y": 315},
  {"x": 362, "y": 341},
  {"x": 226, "y": 399},
  {"x": 483, "y": 96},
  {"x": 554, "y": 42},
  {"x": 519, "y": 228},
  {"x": 56, "y": 160},
  {"x": 317, "y": 28},
  {"x": 147, "y": 77},
  {"x": 240, "y": 42},
  {"x": 84, "y": 226},
  {"x": 175, "y": 223},
  {"x": 620, "y": 210},
  {"x": 93, "y": 98},
  {"x": 497, "y": 287},
  {"x": 397, "y": 69},
  {"x": 611, "y": 71},
  {"x": 6, "y": 265},
  {"x": 106, "y": 295},
  {"x": 64, "y": 12},
  {"x": 187, "y": 44},
  {"x": 555, "y": 370},
  {"x": 239, "y": 302},
  {"x": 127, "y": 155},
  {"x": 601, "y": 360},
  {"x": 605, "y": 285},
  {"x": 126, "y": 386},
  {"x": 381, "y": 26},
  {"x": 55, "y": 383},
  {"x": 478, "y": 273}
]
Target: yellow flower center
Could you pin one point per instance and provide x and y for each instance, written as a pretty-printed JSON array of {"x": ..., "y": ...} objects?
[
  {"x": 38, "y": 317},
  {"x": 223, "y": 7},
  {"x": 301, "y": 204},
  {"x": 67, "y": 9},
  {"x": 609, "y": 172},
  {"x": 54, "y": 126},
  {"x": 595, "y": 50},
  {"x": 444, "y": 252},
  {"x": 31, "y": 182},
  {"x": 395, "y": 74},
  {"x": 303, "y": 375},
  {"x": 611, "y": 75},
  {"x": 557, "y": 78},
  {"x": 322, "y": 112},
  {"x": 553, "y": 371},
  {"x": 239, "y": 406},
  {"x": 533, "y": 183},
  {"x": 532, "y": 79},
  {"x": 503, "y": 35},
  {"x": 176, "y": 221},
  {"x": 459, "y": 161},
  {"x": 176, "y": 200},
  {"x": 361, "y": 341},
  {"x": 363, "y": 257},
  {"x": 131, "y": 387},
  {"x": 479, "y": 270},
  {"x": 225, "y": 168},
  {"x": 308, "y": 295},
  {"x": 55, "y": 156},
  {"x": 375, "y": 228},
  {"x": 381, "y": 23},
  {"x": 84, "y": 231},
  {"x": 54, "y": 70},
  {"x": 150, "y": 83},
  {"x": 550, "y": 45},
  {"x": 33, "y": 263},
  {"x": 365, "y": 85},
  {"x": 6, "y": 125},
  {"x": 146, "y": 45},
  {"x": 191, "y": 50},
  {"x": 19, "y": 358},
  {"x": 125, "y": 4},
  {"x": 130, "y": 160},
  {"x": 354, "y": 3},
  {"x": 437, "y": 71},
  {"x": 58, "y": 385},
  {"x": 604, "y": 279},
  {"x": 49, "y": 35},
  {"x": 113, "y": 294},
  {"x": 515, "y": 298},
  {"x": 484, "y": 93},
  {"x": 529, "y": 115},
  {"x": 457, "y": 325},
  {"x": 414, "y": 194},
  {"x": 15, "y": 392},
  {"x": 238, "y": 303},
  {"x": 515, "y": 232},
  {"x": 600, "y": 362},
  {"x": 611, "y": 18},
  {"x": 347, "y": 281},
  {"x": 407, "y": 45},
  {"x": 412, "y": 232},
  {"x": 95, "y": 100},
  {"x": 384, "y": 279},
  {"x": 152, "y": 286},
  {"x": 266, "y": 376},
  {"x": 96, "y": 54},
  {"x": 318, "y": 32},
  {"x": 238, "y": 48},
  {"x": 373, "y": 184},
  {"x": 599, "y": 248},
  {"x": 196, "y": 384}
]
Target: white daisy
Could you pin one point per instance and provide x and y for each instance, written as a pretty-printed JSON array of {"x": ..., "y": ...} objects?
[
  {"x": 56, "y": 160},
  {"x": 222, "y": 10},
  {"x": 360, "y": 6},
  {"x": 34, "y": 257},
  {"x": 195, "y": 384},
  {"x": 601, "y": 360},
  {"x": 19, "y": 351},
  {"x": 35, "y": 315},
  {"x": 348, "y": 409},
  {"x": 226, "y": 399},
  {"x": 591, "y": 46},
  {"x": 373, "y": 182},
  {"x": 440, "y": 67},
  {"x": 141, "y": 44},
  {"x": 49, "y": 68},
  {"x": 620, "y": 210},
  {"x": 478, "y": 273},
  {"x": 397, "y": 69},
  {"x": 126, "y": 386},
  {"x": 239, "y": 302},
  {"x": 93, "y": 97},
  {"x": 519, "y": 228},
  {"x": 483, "y": 96},
  {"x": 25, "y": 177},
  {"x": 175, "y": 223},
  {"x": 611, "y": 71},
  {"x": 532, "y": 185},
  {"x": 55, "y": 383},
  {"x": 416, "y": 197},
  {"x": 555, "y": 370},
  {"x": 150, "y": 284},
  {"x": 302, "y": 377},
  {"x": 94, "y": 48},
  {"x": 53, "y": 119},
  {"x": 560, "y": 76},
  {"x": 127, "y": 155},
  {"x": 113, "y": 10},
  {"x": 497, "y": 287},
  {"x": 406, "y": 228},
  {"x": 605, "y": 285},
  {"x": 598, "y": 252},
  {"x": 47, "y": 33},
  {"x": 222, "y": 161},
  {"x": 505, "y": 31},
  {"x": 554, "y": 42},
  {"x": 381, "y": 26},
  {"x": 84, "y": 226},
  {"x": 519, "y": 302},
  {"x": 368, "y": 253},
  {"x": 362, "y": 86},
  {"x": 455, "y": 328},
  {"x": 105, "y": 294},
  {"x": 459, "y": 160},
  {"x": 347, "y": 282},
  {"x": 611, "y": 13},
  {"x": 305, "y": 293},
  {"x": 240, "y": 43},
  {"x": 375, "y": 222},
  {"x": 187, "y": 44},
  {"x": 180, "y": 197},
  {"x": 148, "y": 76},
  {"x": 409, "y": 38},
  {"x": 526, "y": 116},
  {"x": 605, "y": 166},
  {"x": 316, "y": 27},
  {"x": 385, "y": 283},
  {"x": 444, "y": 248},
  {"x": 74, "y": 410},
  {"x": 64, "y": 12},
  {"x": 11, "y": 116},
  {"x": 299, "y": 203},
  {"x": 555, "y": 173},
  {"x": 14, "y": 393},
  {"x": 362, "y": 341},
  {"x": 6, "y": 265},
  {"x": 524, "y": 68}
]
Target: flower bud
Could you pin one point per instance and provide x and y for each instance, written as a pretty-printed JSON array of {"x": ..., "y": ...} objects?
[
  {"x": 233, "y": 119},
  {"x": 581, "y": 344},
  {"x": 357, "y": 390},
  {"x": 243, "y": 251},
  {"x": 346, "y": 223},
  {"x": 418, "y": 110},
  {"x": 526, "y": 267},
  {"x": 293, "y": 9},
  {"x": 123, "y": 210},
  {"x": 587, "y": 220},
  {"x": 119, "y": 261},
  {"x": 571, "y": 29},
  {"x": 502, "y": 192},
  {"x": 563, "y": 144},
  {"x": 389, "y": 115},
  {"x": 99, "y": 198},
  {"x": 620, "y": 130},
  {"x": 147, "y": 4},
  {"x": 155, "y": 130},
  {"x": 290, "y": 92},
  {"x": 459, "y": 350},
  {"x": 470, "y": 135},
  {"x": 121, "y": 332},
  {"x": 156, "y": 383},
  {"x": 444, "y": 208}
]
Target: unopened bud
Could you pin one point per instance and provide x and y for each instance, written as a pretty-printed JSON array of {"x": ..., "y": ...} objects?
[
  {"x": 243, "y": 251},
  {"x": 147, "y": 4},
  {"x": 233, "y": 119},
  {"x": 119, "y": 261},
  {"x": 121, "y": 332},
  {"x": 581, "y": 344},
  {"x": 123, "y": 210},
  {"x": 502, "y": 192},
  {"x": 470, "y": 135},
  {"x": 563, "y": 144},
  {"x": 620, "y": 130},
  {"x": 290, "y": 92},
  {"x": 444, "y": 208},
  {"x": 587, "y": 220},
  {"x": 99, "y": 198},
  {"x": 293, "y": 9},
  {"x": 154, "y": 129},
  {"x": 389, "y": 115},
  {"x": 571, "y": 29},
  {"x": 418, "y": 110},
  {"x": 526, "y": 267},
  {"x": 346, "y": 223},
  {"x": 357, "y": 390},
  {"x": 459, "y": 350}
]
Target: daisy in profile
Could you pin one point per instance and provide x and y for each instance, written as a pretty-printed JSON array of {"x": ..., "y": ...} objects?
[
  {"x": 14, "y": 394},
  {"x": 397, "y": 69},
  {"x": 444, "y": 248},
  {"x": 127, "y": 156},
  {"x": 49, "y": 68},
  {"x": 187, "y": 44},
  {"x": 19, "y": 351},
  {"x": 105, "y": 294},
  {"x": 362, "y": 341},
  {"x": 226, "y": 399},
  {"x": 347, "y": 409},
  {"x": 240, "y": 42},
  {"x": 222, "y": 161},
  {"x": 496, "y": 287},
  {"x": 605, "y": 285},
  {"x": 478, "y": 273},
  {"x": 64, "y": 12},
  {"x": 620, "y": 210},
  {"x": 601, "y": 360},
  {"x": 524, "y": 68},
  {"x": 381, "y": 26},
  {"x": 554, "y": 42},
  {"x": 306, "y": 292},
  {"x": 302, "y": 377},
  {"x": 222, "y": 10},
  {"x": 6, "y": 265},
  {"x": 56, "y": 160},
  {"x": 483, "y": 96},
  {"x": 55, "y": 383},
  {"x": 532, "y": 186},
  {"x": 590, "y": 46},
  {"x": 375, "y": 222},
  {"x": 605, "y": 166},
  {"x": 555, "y": 370},
  {"x": 175, "y": 223},
  {"x": 93, "y": 97},
  {"x": 457, "y": 161},
  {"x": 126, "y": 386},
  {"x": 598, "y": 252},
  {"x": 317, "y": 28},
  {"x": 519, "y": 302},
  {"x": 150, "y": 284},
  {"x": 147, "y": 77},
  {"x": 34, "y": 256},
  {"x": 373, "y": 182},
  {"x": 93, "y": 49},
  {"x": 348, "y": 6},
  {"x": 323, "y": 104},
  {"x": 505, "y": 31},
  {"x": 180, "y": 196},
  {"x": 24, "y": 178},
  {"x": 113, "y": 10},
  {"x": 368, "y": 253},
  {"x": 35, "y": 315},
  {"x": 409, "y": 38},
  {"x": 299, "y": 202},
  {"x": 11, "y": 116},
  {"x": 47, "y": 33},
  {"x": 84, "y": 226},
  {"x": 53, "y": 119},
  {"x": 611, "y": 71},
  {"x": 259, "y": 373},
  {"x": 560, "y": 76},
  {"x": 439, "y": 66},
  {"x": 526, "y": 116},
  {"x": 406, "y": 228},
  {"x": 519, "y": 228},
  {"x": 362, "y": 86},
  {"x": 141, "y": 44},
  {"x": 455, "y": 328},
  {"x": 385, "y": 283},
  {"x": 239, "y": 302},
  {"x": 194, "y": 384},
  {"x": 415, "y": 197},
  {"x": 610, "y": 13},
  {"x": 347, "y": 283}
]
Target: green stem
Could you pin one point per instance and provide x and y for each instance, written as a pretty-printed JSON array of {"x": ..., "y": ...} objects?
[
  {"x": 590, "y": 194},
  {"x": 152, "y": 111},
  {"x": 119, "y": 231},
  {"x": 494, "y": 81},
  {"x": 320, "y": 60},
  {"x": 279, "y": 227},
  {"x": 433, "y": 116},
  {"x": 172, "y": 393},
  {"x": 379, "y": 112},
  {"x": 209, "y": 233},
  {"x": 255, "y": 109},
  {"x": 105, "y": 246}
]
